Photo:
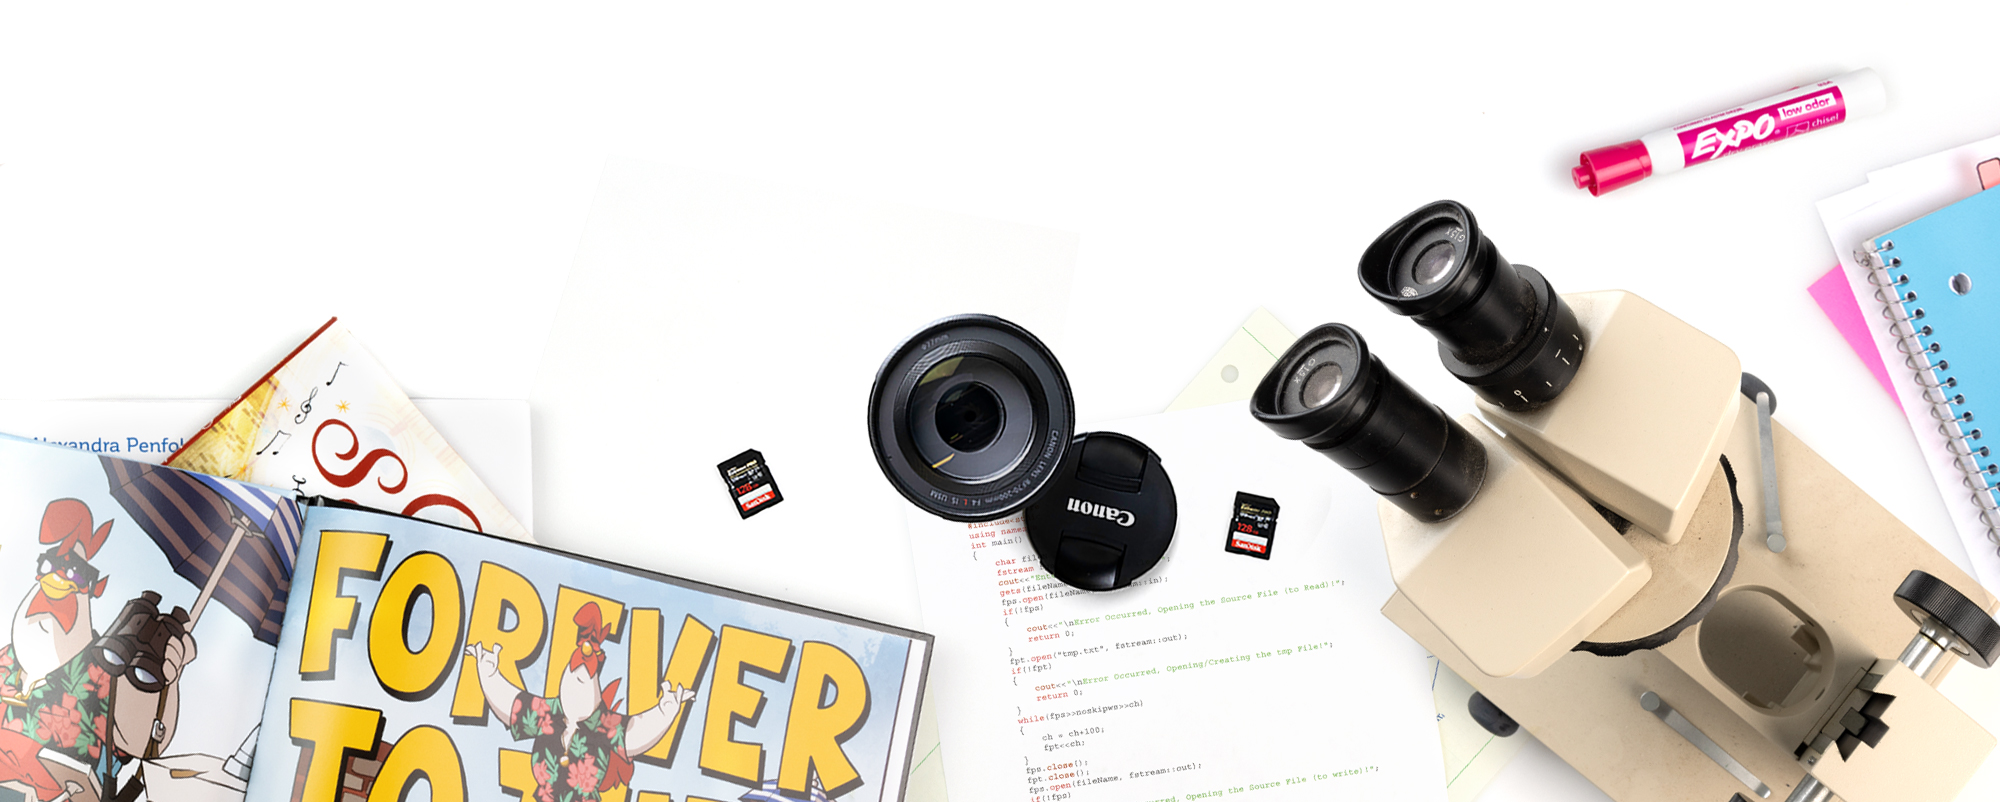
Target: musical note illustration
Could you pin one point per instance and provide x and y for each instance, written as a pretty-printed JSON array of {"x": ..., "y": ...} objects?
[
  {"x": 279, "y": 440},
  {"x": 394, "y": 459},
  {"x": 306, "y": 407}
]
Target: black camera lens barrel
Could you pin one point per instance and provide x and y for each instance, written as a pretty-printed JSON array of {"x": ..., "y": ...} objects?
[
  {"x": 1501, "y": 328},
  {"x": 925, "y": 423},
  {"x": 1378, "y": 428}
]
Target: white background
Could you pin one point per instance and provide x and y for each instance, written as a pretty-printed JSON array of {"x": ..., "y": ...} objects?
[{"x": 186, "y": 191}]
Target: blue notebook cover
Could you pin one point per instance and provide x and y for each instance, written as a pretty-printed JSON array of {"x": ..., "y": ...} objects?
[{"x": 1946, "y": 266}]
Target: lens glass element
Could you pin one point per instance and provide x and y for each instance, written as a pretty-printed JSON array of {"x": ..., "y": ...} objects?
[
  {"x": 1427, "y": 258},
  {"x": 957, "y": 418},
  {"x": 969, "y": 416},
  {"x": 1434, "y": 262},
  {"x": 1319, "y": 376},
  {"x": 1322, "y": 385}
]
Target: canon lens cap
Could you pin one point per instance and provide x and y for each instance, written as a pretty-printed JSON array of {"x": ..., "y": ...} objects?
[{"x": 1107, "y": 516}]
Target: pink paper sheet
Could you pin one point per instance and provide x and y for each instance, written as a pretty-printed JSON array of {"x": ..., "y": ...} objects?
[{"x": 1834, "y": 299}]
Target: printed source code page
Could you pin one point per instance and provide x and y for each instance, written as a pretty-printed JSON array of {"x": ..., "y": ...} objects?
[{"x": 1217, "y": 675}]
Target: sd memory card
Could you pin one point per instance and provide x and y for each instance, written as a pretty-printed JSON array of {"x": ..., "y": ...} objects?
[
  {"x": 750, "y": 483},
  {"x": 1253, "y": 526}
]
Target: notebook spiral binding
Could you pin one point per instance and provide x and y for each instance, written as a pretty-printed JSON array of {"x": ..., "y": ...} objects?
[{"x": 1960, "y": 436}]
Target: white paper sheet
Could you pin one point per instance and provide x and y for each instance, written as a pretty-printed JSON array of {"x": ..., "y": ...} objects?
[
  {"x": 1232, "y": 374},
  {"x": 492, "y": 435},
  {"x": 706, "y": 315},
  {"x": 1215, "y": 673}
]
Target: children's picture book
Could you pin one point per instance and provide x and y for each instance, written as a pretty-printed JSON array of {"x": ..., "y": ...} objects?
[
  {"x": 146, "y": 603},
  {"x": 184, "y": 637},
  {"x": 328, "y": 421}
]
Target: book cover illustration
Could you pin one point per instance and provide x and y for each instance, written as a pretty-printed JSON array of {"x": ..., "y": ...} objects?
[
  {"x": 132, "y": 665},
  {"x": 328, "y": 421},
  {"x": 425, "y": 662}
]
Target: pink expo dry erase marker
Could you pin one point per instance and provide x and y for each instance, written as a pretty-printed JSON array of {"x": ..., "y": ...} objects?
[{"x": 1780, "y": 116}]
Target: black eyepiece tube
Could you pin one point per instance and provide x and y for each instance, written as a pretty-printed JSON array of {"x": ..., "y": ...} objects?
[
  {"x": 1500, "y": 327},
  {"x": 1329, "y": 392}
]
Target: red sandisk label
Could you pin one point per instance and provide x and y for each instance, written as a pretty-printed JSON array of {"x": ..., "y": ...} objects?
[{"x": 762, "y": 495}]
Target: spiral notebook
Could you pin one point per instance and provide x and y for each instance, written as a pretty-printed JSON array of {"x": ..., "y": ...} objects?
[{"x": 1938, "y": 279}]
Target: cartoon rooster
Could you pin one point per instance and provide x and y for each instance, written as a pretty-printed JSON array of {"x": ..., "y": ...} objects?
[
  {"x": 583, "y": 747},
  {"x": 53, "y": 625}
]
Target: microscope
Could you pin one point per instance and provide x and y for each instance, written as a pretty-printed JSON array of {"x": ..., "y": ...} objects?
[{"x": 1628, "y": 557}]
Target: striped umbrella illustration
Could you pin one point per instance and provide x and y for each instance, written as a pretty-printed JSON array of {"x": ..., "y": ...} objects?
[{"x": 237, "y": 543}]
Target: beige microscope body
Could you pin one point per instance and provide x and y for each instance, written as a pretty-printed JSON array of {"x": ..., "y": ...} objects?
[
  {"x": 1793, "y": 643},
  {"x": 1791, "y": 636},
  {"x": 1612, "y": 583}
]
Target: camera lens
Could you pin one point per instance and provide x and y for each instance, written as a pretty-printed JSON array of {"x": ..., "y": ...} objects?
[
  {"x": 1330, "y": 392},
  {"x": 1500, "y": 327},
  {"x": 969, "y": 417}
]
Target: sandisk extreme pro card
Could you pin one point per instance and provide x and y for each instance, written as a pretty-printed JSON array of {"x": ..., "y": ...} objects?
[
  {"x": 1253, "y": 527},
  {"x": 750, "y": 483}
]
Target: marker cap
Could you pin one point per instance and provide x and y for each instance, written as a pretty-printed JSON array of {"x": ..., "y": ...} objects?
[
  {"x": 1862, "y": 92},
  {"x": 1609, "y": 168}
]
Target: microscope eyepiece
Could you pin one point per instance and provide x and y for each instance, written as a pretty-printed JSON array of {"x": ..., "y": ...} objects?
[
  {"x": 1329, "y": 392},
  {"x": 1500, "y": 327}
]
